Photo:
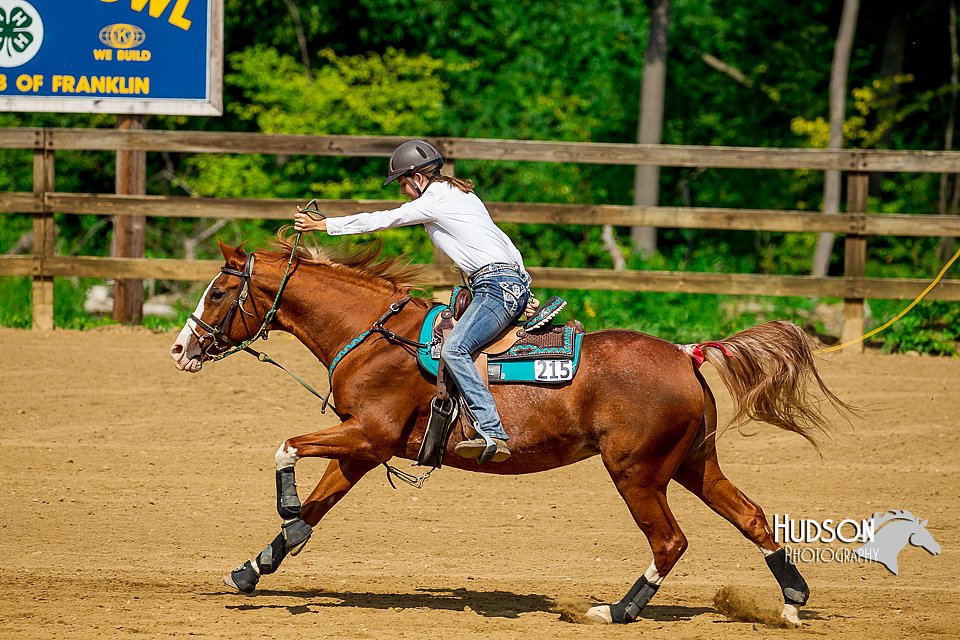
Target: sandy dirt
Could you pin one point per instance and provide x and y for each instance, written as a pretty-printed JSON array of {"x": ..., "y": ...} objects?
[{"x": 127, "y": 489}]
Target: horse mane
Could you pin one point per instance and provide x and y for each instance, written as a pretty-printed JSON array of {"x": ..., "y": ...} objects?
[{"x": 365, "y": 262}]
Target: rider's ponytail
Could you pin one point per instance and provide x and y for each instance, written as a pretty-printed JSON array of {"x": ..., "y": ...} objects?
[{"x": 460, "y": 183}]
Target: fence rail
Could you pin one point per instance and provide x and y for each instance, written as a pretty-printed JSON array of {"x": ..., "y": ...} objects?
[
  {"x": 888, "y": 224},
  {"x": 856, "y": 225},
  {"x": 715, "y": 157}
]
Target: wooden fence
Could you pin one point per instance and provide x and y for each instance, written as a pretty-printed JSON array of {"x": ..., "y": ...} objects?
[{"x": 855, "y": 225}]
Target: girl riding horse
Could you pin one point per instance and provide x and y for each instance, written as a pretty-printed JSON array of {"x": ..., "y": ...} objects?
[
  {"x": 637, "y": 401},
  {"x": 460, "y": 226}
]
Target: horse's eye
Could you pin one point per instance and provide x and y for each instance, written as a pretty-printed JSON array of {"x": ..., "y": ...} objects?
[{"x": 216, "y": 295}]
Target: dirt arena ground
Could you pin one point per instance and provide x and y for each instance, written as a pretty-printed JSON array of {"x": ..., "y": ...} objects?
[{"x": 127, "y": 489}]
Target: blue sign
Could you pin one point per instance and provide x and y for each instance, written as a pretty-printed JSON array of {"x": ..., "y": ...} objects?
[{"x": 112, "y": 56}]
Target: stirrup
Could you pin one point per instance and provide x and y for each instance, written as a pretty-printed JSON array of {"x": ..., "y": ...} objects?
[
  {"x": 545, "y": 313},
  {"x": 497, "y": 451}
]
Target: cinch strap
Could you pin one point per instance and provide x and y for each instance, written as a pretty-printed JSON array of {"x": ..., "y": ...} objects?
[{"x": 356, "y": 342}]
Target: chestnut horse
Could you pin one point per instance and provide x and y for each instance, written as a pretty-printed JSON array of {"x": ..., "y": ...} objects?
[{"x": 637, "y": 401}]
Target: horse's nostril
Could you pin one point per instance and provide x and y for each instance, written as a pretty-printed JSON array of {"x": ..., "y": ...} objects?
[{"x": 176, "y": 350}]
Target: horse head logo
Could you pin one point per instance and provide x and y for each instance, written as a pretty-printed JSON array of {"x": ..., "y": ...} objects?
[{"x": 893, "y": 530}]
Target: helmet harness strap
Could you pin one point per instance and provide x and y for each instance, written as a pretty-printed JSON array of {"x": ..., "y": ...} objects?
[{"x": 416, "y": 187}]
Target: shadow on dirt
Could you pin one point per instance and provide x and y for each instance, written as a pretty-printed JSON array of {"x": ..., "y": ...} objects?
[
  {"x": 492, "y": 604},
  {"x": 673, "y": 613}
]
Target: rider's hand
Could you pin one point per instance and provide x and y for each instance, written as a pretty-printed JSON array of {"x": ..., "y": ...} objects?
[
  {"x": 303, "y": 221},
  {"x": 532, "y": 305}
]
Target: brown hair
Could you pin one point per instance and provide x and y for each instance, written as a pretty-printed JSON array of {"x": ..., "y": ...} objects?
[{"x": 460, "y": 183}]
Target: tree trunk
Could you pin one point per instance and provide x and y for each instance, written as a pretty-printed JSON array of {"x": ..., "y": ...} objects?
[
  {"x": 611, "y": 247},
  {"x": 838, "y": 100},
  {"x": 949, "y": 187},
  {"x": 301, "y": 36},
  {"x": 646, "y": 188},
  {"x": 891, "y": 65}
]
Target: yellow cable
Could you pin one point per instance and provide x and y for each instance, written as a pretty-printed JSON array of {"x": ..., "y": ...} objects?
[{"x": 946, "y": 267}]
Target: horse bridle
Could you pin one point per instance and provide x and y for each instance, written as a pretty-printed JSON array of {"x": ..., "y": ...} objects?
[{"x": 216, "y": 334}]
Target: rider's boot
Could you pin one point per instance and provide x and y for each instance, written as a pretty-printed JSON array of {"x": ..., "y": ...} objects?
[{"x": 483, "y": 448}]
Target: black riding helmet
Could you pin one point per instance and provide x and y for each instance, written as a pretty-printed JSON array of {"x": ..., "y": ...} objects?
[{"x": 411, "y": 157}]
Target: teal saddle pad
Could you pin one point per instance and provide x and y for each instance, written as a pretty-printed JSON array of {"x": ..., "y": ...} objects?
[{"x": 527, "y": 361}]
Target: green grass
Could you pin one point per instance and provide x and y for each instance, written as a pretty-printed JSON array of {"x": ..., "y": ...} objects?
[{"x": 15, "y": 297}]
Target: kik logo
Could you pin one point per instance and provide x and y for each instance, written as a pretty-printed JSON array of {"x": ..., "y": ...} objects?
[
  {"x": 21, "y": 32},
  {"x": 122, "y": 36},
  {"x": 892, "y": 531}
]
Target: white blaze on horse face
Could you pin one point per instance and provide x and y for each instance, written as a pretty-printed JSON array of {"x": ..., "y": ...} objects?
[
  {"x": 285, "y": 457},
  {"x": 179, "y": 349}
]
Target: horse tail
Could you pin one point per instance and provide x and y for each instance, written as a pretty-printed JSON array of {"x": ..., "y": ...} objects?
[{"x": 769, "y": 371}]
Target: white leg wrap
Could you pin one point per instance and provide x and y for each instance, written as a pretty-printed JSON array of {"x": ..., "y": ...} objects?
[
  {"x": 652, "y": 576},
  {"x": 285, "y": 457}
]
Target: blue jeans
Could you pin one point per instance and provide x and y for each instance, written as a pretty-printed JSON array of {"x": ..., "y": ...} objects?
[{"x": 500, "y": 296}]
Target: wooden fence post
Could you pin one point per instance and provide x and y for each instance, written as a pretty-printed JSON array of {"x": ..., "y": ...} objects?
[
  {"x": 129, "y": 232},
  {"x": 855, "y": 259},
  {"x": 44, "y": 231}
]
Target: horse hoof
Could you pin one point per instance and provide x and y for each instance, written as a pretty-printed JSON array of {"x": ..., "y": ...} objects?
[
  {"x": 244, "y": 578},
  {"x": 600, "y": 613},
  {"x": 791, "y": 616}
]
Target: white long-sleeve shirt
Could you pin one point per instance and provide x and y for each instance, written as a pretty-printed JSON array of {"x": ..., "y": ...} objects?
[{"x": 457, "y": 223}]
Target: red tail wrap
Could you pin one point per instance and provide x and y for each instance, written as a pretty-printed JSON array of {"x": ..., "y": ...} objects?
[{"x": 697, "y": 352}]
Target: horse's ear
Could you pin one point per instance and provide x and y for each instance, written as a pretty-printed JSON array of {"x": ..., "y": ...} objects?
[{"x": 231, "y": 254}]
